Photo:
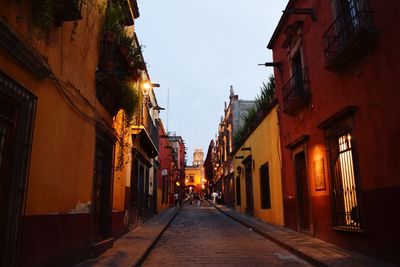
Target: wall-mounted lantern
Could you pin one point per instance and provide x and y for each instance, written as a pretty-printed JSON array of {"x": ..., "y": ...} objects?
[{"x": 239, "y": 170}]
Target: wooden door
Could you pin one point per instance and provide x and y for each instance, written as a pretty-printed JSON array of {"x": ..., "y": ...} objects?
[
  {"x": 303, "y": 201},
  {"x": 102, "y": 185}
]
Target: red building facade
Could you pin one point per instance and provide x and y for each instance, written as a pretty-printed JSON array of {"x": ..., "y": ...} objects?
[
  {"x": 336, "y": 68},
  {"x": 165, "y": 178}
]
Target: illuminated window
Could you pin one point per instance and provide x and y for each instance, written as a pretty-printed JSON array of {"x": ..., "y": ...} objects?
[{"x": 344, "y": 188}]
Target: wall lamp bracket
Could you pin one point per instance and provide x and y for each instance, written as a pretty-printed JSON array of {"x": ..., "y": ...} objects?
[
  {"x": 272, "y": 64},
  {"x": 246, "y": 149},
  {"x": 302, "y": 11}
]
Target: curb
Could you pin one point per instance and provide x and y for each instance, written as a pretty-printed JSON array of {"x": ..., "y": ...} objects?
[
  {"x": 142, "y": 256},
  {"x": 289, "y": 248}
]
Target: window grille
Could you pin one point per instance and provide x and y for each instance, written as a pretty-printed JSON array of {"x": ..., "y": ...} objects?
[
  {"x": 17, "y": 114},
  {"x": 344, "y": 178}
]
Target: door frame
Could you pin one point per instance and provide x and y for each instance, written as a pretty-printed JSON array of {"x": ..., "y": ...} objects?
[
  {"x": 248, "y": 182},
  {"x": 107, "y": 140},
  {"x": 296, "y": 151}
]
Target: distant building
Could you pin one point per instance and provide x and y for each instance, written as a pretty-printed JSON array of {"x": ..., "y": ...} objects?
[
  {"x": 209, "y": 168},
  {"x": 229, "y": 125},
  {"x": 194, "y": 180},
  {"x": 198, "y": 156},
  {"x": 179, "y": 154}
]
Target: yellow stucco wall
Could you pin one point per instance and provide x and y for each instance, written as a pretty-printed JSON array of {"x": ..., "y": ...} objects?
[{"x": 265, "y": 148}]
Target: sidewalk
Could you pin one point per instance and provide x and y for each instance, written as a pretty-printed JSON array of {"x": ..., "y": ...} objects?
[
  {"x": 312, "y": 250},
  {"x": 130, "y": 249}
]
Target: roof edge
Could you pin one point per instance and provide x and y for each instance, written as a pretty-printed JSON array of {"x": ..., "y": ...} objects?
[{"x": 279, "y": 26}]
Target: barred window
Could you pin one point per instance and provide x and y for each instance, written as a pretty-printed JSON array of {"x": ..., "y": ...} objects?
[{"x": 344, "y": 178}]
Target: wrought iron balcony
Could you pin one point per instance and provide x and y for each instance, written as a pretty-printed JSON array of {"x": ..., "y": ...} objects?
[
  {"x": 295, "y": 92},
  {"x": 152, "y": 130},
  {"x": 109, "y": 77},
  {"x": 143, "y": 124},
  {"x": 349, "y": 37}
]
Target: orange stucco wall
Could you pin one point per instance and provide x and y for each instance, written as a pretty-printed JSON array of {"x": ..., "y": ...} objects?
[{"x": 62, "y": 159}]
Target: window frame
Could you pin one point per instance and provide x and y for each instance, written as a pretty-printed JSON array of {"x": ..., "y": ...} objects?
[
  {"x": 265, "y": 187},
  {"x": 345, "y": 202}
]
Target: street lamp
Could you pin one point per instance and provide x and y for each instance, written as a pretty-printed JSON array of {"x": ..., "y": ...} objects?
[{"x": 147, "y": 85}]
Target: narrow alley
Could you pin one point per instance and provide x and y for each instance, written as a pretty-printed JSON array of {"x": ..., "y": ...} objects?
[
  {"x": 280, "y": 117},
  {"x": 196, "y": 238}
]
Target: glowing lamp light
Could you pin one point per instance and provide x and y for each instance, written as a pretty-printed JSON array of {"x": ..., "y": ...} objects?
[
  {"x": 177, "y": 183},
  {"x": 146, "y": 85}
]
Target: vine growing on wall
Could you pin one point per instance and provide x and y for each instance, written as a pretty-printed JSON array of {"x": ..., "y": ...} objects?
[{"x": 48, "y": 13}]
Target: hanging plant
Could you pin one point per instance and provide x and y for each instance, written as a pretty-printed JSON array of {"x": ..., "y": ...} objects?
[
  {"x": 130, "y": 98},
  {"x": 67, "y": 10},
  {"x": 125, "y": 44},
  {"x": 137, "y": 58},
  {"x": 112, "y": 21},
  {"x": 47, "y": 13},
  {"x": 43, "y": 14}
]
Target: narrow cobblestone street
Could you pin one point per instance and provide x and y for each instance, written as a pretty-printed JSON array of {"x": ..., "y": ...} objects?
[{"x": 196, "y": 238}]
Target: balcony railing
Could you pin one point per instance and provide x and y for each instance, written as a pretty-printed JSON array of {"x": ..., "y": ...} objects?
[
  {"x": 295, "y": 92},
  {"x": 108, "y": 76},
  {"x": 350, "y": 34},
  {"x": 152, "y": 130},
  {"x": 142, "y": 119}
]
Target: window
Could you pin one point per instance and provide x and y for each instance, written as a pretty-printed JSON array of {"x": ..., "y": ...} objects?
[
  {"x": 238, "y": 195},
  {"x": 350, "y": 35},
  {"x": 264, "y": 187},
  {"x": 295, "y": 91},
  {"x": 344, "y": 188},
  {"x": 17, "y": 114}
]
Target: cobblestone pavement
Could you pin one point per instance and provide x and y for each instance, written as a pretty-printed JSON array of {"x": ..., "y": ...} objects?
[{"x": 203, "y": 236}]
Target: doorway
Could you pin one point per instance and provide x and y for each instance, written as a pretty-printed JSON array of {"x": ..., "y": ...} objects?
[
  {"x": 102, "y": 185},
  {"x": 303, "y": 199}
]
